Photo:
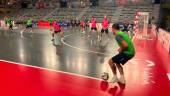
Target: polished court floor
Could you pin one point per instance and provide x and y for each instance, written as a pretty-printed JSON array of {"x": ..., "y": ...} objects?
[
  {"x": 76, "y": 55},
  {"x": 32, "y": 64}
]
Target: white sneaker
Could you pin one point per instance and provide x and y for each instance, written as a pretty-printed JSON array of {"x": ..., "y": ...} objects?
[
  {"x": 122, "y": 80},
  {"x": 114, "y": 79},
  {"x": 83, "y": 32}
]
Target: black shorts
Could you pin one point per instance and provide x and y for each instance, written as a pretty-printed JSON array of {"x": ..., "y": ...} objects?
[
  {"x": 121, "y": 58},
  {"x": 10, "y": 26},
  {"x": 29, "y": 26},
  {"x": 57, "y": 31},
  {"x": 51, "y": 24},
  {"x": 94, "y": 29},
  {"x": 105, "y": 30},
  {"x": 87, "y": 25},
  {"x": 83, "y": 26}
]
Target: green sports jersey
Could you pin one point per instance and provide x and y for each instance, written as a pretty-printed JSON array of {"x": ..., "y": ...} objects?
[
  {"x": 50, "y": 20},
  {"x": 124, "y": 36},
  {"x": 9, "y": 21},
  {"x": 29, "y": 22}
]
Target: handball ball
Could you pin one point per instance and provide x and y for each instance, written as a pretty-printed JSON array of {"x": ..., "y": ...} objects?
[{"x": 105, "y": 76}]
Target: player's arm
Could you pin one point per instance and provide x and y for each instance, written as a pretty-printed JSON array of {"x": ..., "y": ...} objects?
[{"x": 123, "y": 43}]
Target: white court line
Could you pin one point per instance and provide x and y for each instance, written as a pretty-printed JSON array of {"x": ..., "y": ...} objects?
[
  {"x": 62, "y": 40},
  {"x": 15, "y": 63},
  {"x": 168, "y": 74}
]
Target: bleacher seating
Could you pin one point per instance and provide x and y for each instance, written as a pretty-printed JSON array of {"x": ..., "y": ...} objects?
[{"x": 114, "y": 13}]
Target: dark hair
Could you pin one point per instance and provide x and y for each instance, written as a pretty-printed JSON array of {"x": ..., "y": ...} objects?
[{"x": 116, "y": 26}]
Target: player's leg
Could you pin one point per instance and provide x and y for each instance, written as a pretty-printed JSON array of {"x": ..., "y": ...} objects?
[
  {"x": 122, "y": 77},
  {"x": 24, "y": 29},
  {"x": 83, "y": 29},
  {"x": 62, "y": 34},
  {"x": 57, "y": 36},
  {"x": 10, "y": 28},
  {"x": 113, "y": 68},
  {"x": 31, "y": 28},
  {"x": 51, "y": 27},
  {"x": 89, "y": 34},
  {"x": 52, "y": 36},
  {"x": 124, "y": 58},
  {"x": 21, "y": 32},
  {"x": 115, "y": 62},
  {"x": 107, "y": 33},
  {"x": 101, "y": 34},
  {"x": 97, "y": 34}
]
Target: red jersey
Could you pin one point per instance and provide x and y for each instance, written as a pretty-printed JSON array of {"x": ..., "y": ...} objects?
[
  {"x": 105, "y": 23},
  {"x": 82, "y": 23},
  {"x": 56, "y": 26},
  {"x": 93, "y": 23}
]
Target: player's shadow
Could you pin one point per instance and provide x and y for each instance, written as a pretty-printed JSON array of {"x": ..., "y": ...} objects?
[
  {"x": 114, "y": 90},
  {"x": 104, "y": 85},
  {"x": 122, "y": 88},
  {"x": 59, "y": 49}
]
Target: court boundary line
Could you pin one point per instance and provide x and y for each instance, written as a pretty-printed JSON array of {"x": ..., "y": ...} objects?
[{"x": 52, "y": 70}]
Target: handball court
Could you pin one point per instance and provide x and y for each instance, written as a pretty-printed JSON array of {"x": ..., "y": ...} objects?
[{"x": 30, "y": 65}]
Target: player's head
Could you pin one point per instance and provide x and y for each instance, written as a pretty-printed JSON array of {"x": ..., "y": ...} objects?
[
  {"x": 92, "y": 17},
  {"x": 105, "y": 17},
  {"x": 115, "y": 28}
]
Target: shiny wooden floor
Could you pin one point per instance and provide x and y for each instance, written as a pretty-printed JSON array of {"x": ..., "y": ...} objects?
[{"x": 74, "y": 68}]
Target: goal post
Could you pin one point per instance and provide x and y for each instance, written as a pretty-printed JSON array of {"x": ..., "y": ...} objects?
[{"x": 141, "y": 23}]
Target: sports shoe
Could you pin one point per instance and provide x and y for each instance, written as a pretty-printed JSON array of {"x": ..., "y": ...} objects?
[
  {"x": 114, "y": 79},
  {"x": 122, "y": 80}
]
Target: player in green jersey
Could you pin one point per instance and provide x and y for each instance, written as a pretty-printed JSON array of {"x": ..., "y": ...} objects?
[{"x": 126, "y": 52}]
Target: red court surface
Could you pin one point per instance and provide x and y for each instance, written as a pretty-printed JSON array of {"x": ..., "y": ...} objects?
[{"x": 146, "y": 75}]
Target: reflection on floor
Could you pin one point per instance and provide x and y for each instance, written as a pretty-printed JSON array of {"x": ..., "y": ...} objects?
[{"x": 146, "y": 73}]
